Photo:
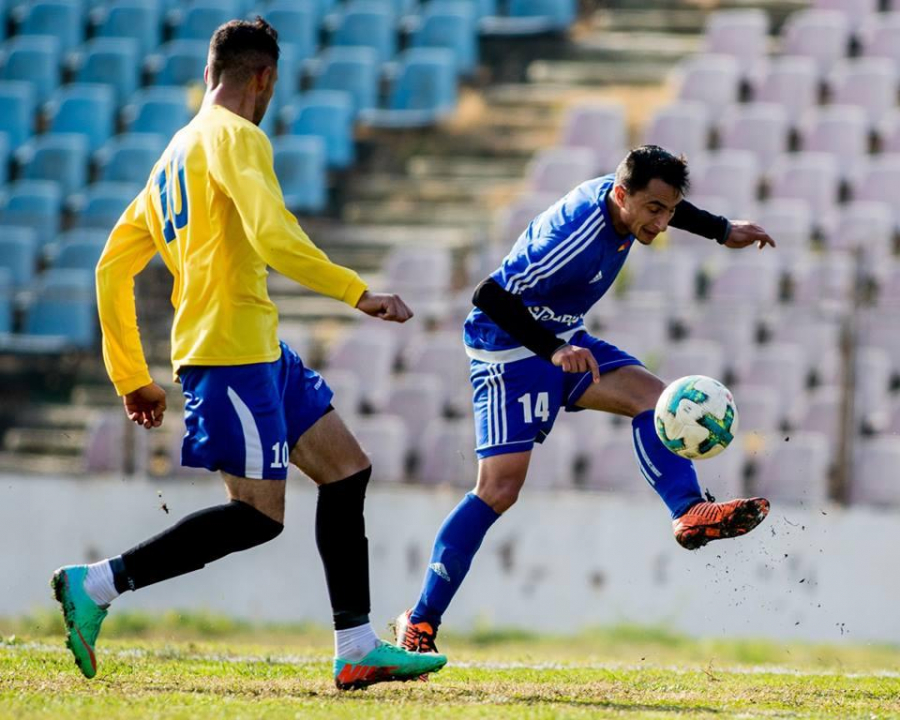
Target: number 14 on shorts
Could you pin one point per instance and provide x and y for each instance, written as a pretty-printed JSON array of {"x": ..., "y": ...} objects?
[{"x": 541, "y": 407}]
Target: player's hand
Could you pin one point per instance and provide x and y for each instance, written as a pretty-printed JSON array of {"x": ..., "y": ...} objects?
[
  {"x": 146, "y": 405},
  {"x": 385, "y": 306},
  {"x": 745, "y": 233},
  {"x": 574, "y": 359}
]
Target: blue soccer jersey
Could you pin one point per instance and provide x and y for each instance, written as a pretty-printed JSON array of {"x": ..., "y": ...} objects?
[{"x": 562, "y": 264}]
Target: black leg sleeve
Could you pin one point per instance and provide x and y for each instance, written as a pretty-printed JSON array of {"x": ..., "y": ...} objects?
[
  {"x": 341, "y": 538},
  {"x": 197, "y": 539}
]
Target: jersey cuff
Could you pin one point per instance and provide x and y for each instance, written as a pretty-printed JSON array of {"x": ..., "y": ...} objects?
[
  {"x": 132, "y": 383},
  {"x": 354, "y": 292}
]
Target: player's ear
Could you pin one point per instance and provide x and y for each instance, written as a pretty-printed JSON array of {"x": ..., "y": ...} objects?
[
  {"x": 206, "y": 75},
  {"x": 619, "y": 194},
  {"x": 265, "y": 78}
]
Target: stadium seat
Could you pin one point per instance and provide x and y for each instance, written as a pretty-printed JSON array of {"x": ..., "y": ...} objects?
[
  {"x": 552, "y": 462},
  {"x": 823, "y": 35},
  {"x": 354, "y": 70},
  {"x": 530, "y": 17},
  {"x": 5, "y": 154},
  {"x": 63, "y": 20},
  {"x": 454, "y": 31},
  {"x": 18, "y": 254},
  {"x": 136, "y": 19},
  {"x": 179, "y": 62},
  {"x": 867, "y": 227},
  {"x": 782, "y": 366},
  {"x": 734, "y": 324},
  {"x": 288, "y": 84},
  {"x": 423, "y": 92},
  {"x": 199, "y": 20},
  {"x": 599, "y": 127},
  {"x": 812, "y": 177},
  {"x": 84, "y": 109},
  {"x": 673, "y": 273},
  {"x": 80, "y": 254},
  {"x": 748, "y": 277},
  {"x": 60, "y": 158},
  {"x": 17, "y": 106},
  {"x": 384, "y": 439},
  {"x": 856, "y": 12},
  {"x": 758, "y": 412},
  {"x": 795, "y": 472},
  {"x": 712, "y": 80},
  {"x": 35, "y": 204},
  {"x": 110, "y": 61},
  {"x": 513, "y": 220},
  {"x": 759, "y": 128},
  {"x": 129, "y": 157},
  {"x": 448, "y": 453},
  {"x": 557, "y": 170},
  {"x": 880, "y": 182},
  {"x": 6, "y": 302},
  {"x": 874, "y": 482},
  {"x": 328, "y": 115},
  {"x": 639, "y": 326},
  {"x": 819, "y": 336},
  {"x": 416, "y": 398},
  {"x": 692, "y": 357},
  {"x": 419, "y": 270},
  {"x": 743, "y": 34},
  {"x": 369, "y": 355},
  {"x": 611, "y": 463},
  {"x": 35, "y": 60},
  {"x": 301, "y": 164},
  {"x": 442, "y": 353},
  {"x": 869, "y": 83},
  {"x": 871, "y": 386},
  {"x": 792, "y": 83},
  {"x": 824, "y": 416},
  {"x": 64, "y": 308},
  {"x": 828, "y": 283},
  {"x": 791, "y": 222},
  {"x": 680, "y": 128},
  {"x": 733, "y": 175},
  {"x": 298, "y": 27},
  {"x": 101, "y": 204},
  {"x": 160, "y": 110},
  {"x": 368, "y": 24},
  {"x": 883, "y": 39}
]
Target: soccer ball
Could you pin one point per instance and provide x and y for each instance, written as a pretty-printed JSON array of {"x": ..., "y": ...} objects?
[{"x": 696, "y": 417}]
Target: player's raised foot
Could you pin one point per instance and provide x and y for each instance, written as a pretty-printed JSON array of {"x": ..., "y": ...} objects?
[
  {"x": 82, "y": 615},
  {"x": 385, "y": 663},
  {"x": 707, "y": 521},
  {"x": 415, "y": 637}
]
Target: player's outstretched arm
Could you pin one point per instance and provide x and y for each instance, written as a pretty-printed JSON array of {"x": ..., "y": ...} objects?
[
  {"x": 733, "y": 234},
  {"x": 384, "y": 306}
]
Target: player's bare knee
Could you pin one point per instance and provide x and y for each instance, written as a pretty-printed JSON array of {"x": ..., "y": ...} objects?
[{"x": 499, "y": 493}]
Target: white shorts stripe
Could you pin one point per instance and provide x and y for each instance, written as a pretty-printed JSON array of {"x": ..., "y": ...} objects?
[
  {"x": 253, "y": 452},
  {"x": 488, "y": 414},
  {"x": 502, "y": 402}
]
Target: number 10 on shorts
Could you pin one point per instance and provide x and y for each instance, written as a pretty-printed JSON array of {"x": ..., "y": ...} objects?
[{"x": 541, "y": 407}]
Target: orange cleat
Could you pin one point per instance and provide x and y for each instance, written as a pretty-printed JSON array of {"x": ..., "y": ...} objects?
[
  {"x": 707, "y": 521},
  {"x": 415, "y": 637}
]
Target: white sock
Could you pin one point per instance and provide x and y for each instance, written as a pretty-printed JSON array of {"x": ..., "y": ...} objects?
[
  {"x": 99, "y": 585},
  {"x": 354, "y": 644}
]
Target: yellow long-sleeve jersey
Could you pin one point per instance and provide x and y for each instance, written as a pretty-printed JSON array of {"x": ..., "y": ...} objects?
[{"x": 214, "y": 210}]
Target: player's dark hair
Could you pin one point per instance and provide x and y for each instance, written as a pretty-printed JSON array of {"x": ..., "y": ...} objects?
[
  {"x": 651, "y": 162},
  {"x": 240, "y": 48}
]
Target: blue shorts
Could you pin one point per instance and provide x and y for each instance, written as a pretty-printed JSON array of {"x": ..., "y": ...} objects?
[
  {"x": 517, "y": 403},
  {"x": 245, "y": 419}
]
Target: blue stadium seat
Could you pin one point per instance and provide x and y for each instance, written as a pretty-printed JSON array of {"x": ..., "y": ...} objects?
[
  {"x": 327, "y": 114},
  {"x": 139, "y": 20},
  {"x": 288, "y": 77},
  {"x": 129, "y": 157},
  {"x": 531, "y": 17},
  {"x": 80, "y": 254},
  {"x": 199, "y": 20},
  {"x": 4, "y": 158},
  {"x": 18, "y": 253},
  {"x": 60, "y": 158},
  {"x": 111, "y": 61},
  {"x": 17, "y": 108},
  {"x": 33, "y": 59},
  {"x": 6, "y": 302},
  {"x": 35, "y": 204},
  {"x": 65, "y": 307},
  {"x": 354, "y": 70},
  {"x": 369, "y": 24},
  {"x": 63, "y": 20},
  {"x": 423, "y": 92},
  {"x": 101, "y": 205},
  {"x": 454, "y": 31},
  {"x": 179, "y": 62},
  {"x": 86, "y": 109},
  {"x": 300, "y": 167},
  {"x": 161, "y": 110},
  {"x": 297, "y": 26}
]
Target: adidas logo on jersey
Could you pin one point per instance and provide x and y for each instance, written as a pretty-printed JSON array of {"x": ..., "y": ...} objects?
[
  {"x": 440, "y": 571},
  {"x": 597, "y": 278}
]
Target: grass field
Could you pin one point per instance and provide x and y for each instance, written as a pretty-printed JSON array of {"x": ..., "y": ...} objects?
[{"x": 207, "y": 667}]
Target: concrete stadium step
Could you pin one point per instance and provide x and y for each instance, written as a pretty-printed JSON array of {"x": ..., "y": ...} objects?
[
  {"x": 423, "y": 187},
  {"x": 44, "y": 441},
  {"x": 14, "y": 463},
  {"x": 56, "y": 416}
]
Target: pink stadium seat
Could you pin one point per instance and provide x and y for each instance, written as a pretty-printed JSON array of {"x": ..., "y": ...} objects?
[
  {"x": 748, "y": 278},
  {"x": 792, "y": 83},
  {"x": 789, "y": 222},
  {"x": 713, "y": 80},
  {"x": 680, "y": 128},
  {"x": 757, "y": 409},
  {"x": 877, "y": 327},
  {"x": 795, "y": 471},
  {"x": 734, "y": 326},
  {"x": 369, "y": 355},
  {"x": 347, "y": 392},
  {"x": 883, "y": 38},
  {"x": 416, "y": 398},
  {"x": 559, "y": 169},
  {"x": 612, "y": 464},
  {"x": 422, "y": 276},
  {"x": 781, "y": 365},
  {"x": 743, "y": 34},
  {"x": 871, "y": 384},
  {"x": 385, "y": 441},
  {"x": 869, "y": 83},
  {"x": 448, "y": 454},
  {"x": 298, "y": 337},
  {"x": 880, "y": 182},
  {"x": 868, "y": 227},
  {"x": 759, "y": 128},
  {"x": 842, "y": 132},
  {"x": 823, "y": 35},
  {"x": 671, "y": 272},
  {"x": 443, "y": 354},
  {"x": 828, "y": 284},
  {"x": 599, "y": 127},
  {"x": 874, "y": 478},
  {"x": 823, "y": 416},
  {"x": 856, "y": 12},
  {"x": 732, "y": 174},
  {"x": 553, "y": 461},
  {"x": 642, "y": 317},
  {"x": 105, "y": 447},
  {"x": 809, "y": 176},
  {"x": 819, "y": 336},
  {"x": 723, "y": 475},
  {"x": 692, "y": 357},
  {"x": 513, "y": 220}
]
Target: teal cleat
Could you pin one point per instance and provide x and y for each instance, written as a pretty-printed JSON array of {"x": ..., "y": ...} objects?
[
  {"x": 82, "y": 615},
  {"x": 384, "y": 664}
]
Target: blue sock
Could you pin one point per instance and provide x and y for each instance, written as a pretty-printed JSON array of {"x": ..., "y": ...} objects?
[
  {"x": 673, "y": 477},
  {"x": 454, "y": 548}
]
